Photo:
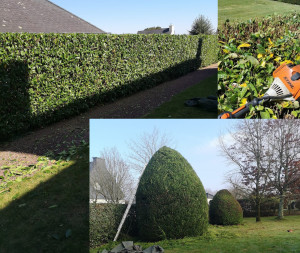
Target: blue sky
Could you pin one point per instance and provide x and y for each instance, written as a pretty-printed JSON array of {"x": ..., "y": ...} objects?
[
  {"x": 130, "y": 16},
  {"x": 196, "y": 140}
]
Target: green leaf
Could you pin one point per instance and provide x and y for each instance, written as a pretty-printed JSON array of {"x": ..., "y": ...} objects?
[
  {"x": 253, "y": 60},
  {"x": 294, "y": 113},
  {"x": 53, "y": 206},
  {"x": 264, "y": 114}
]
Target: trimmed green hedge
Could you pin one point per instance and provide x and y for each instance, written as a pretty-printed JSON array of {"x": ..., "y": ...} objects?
[
  {"x": 105, "y": 220},
  {"x": 224, "y": 209},
  {"x": 48, "y": 77},
  {"x": 289, "y": 1},
  {"x": 170, "y": 200},
  {"x": 268, "y": 207}
]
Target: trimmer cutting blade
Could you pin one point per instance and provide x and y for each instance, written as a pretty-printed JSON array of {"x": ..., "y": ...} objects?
[{"x": 286, "y": 86}]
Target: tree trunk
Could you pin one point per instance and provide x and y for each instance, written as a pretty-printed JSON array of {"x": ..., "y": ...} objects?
[
  {"x": 257, "y": 203},
  {"x": 280, "y": 209}
]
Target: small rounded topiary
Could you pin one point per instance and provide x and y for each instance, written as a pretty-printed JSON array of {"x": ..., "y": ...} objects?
[
  {"x": 224, "y": 209},
  {"x": 170, "y": 200}
]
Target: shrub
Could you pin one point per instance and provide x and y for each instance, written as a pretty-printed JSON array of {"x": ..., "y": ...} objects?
[
  {"x": 268, "y": 207},
  {"x": 48, "y": 77},
  {"x": 297, "y": 205},
  {"x": 224, "y": 209},
  {"x": 104, "y": 222},
  {"x": 250, "y": 52},
  {"x": 170, "y": 200}
]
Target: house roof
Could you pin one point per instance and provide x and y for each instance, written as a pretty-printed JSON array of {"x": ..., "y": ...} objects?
[
  {"x": 209, "y": 196},
  {"x": 155, "y": 31},
  {"x": 40, "y": 16}
]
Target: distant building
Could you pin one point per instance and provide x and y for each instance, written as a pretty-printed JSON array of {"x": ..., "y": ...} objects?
[
  {"x": 209, "y": 197},
  {"x": 99, "y": 171},
  {"x": 40, "y": 16},
  {"x": 154, "y": 30}
]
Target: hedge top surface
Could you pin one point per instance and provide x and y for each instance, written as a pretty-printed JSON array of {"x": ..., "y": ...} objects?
[
  {"x": 224, "y": 209},
  {"x": 171, "y": 201}
]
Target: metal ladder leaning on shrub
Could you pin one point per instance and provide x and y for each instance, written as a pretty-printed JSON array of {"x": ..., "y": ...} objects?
[{"x": 128, "y": 208}]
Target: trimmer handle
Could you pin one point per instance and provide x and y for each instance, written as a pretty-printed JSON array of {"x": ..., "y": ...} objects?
[{"x": 238, "y": 113}]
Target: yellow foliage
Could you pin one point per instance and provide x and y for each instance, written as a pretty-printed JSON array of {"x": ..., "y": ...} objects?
[
  {"x": 286, "y": 62},
  {"x": 270, "y": 41},
  {"x": 244, "y": 45},
  {"x": 243, "y": 101},
  {"x": 277, "y": 59}
]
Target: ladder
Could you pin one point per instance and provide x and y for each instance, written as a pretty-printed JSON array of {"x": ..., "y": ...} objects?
[{"x": 128, "y": 208}]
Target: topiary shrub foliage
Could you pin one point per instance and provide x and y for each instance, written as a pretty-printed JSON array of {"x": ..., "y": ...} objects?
[
  {"x": 224, "y": 209},
  {"x": 170, "y": 200}
]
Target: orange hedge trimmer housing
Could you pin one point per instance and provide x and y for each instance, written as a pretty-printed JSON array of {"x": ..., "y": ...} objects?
[{"x": 286, "y": 86}]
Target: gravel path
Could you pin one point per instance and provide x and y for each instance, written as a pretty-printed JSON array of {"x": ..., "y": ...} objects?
[{"x": 59, "y": 136}]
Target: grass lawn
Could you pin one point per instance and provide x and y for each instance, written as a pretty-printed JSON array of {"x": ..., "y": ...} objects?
[
  {"x": 270, "y": 235},
  {"x": 49, "y": 211},
  {"x": 237, "y": 10},
  {"x": 175, "y": 108}
]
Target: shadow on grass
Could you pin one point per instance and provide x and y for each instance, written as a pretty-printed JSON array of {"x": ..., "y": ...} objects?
[
  {"x": 19, "y": 119},
  {"x": 175, "y": 108},
  {"x": 53, "y": 217}
]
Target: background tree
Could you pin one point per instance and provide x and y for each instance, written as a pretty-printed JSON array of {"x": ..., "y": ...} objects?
[
  {"x": 201, "y": 25},
  {"x": 144, "y": 147},
  {"x": 247, "y": 152},
  {"x": 237, "y": 188},
  {"x": 110, "y": 177},
  {"x": 284, "y": 143}
]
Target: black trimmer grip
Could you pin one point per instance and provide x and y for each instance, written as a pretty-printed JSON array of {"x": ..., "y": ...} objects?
[{"x": 238, "y": 113}]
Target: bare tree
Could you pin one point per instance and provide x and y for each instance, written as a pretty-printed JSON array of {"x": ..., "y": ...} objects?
[
  {"x": 237, "y": 188},
  {"x": 144, "y": 147},
  {"x": 284, "y": 139},
  {"x": 110, "y": 177},
  {"x": 247, "y": 152}
]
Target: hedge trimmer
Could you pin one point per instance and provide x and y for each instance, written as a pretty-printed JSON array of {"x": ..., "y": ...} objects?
[{"x": 286, "y": 86}]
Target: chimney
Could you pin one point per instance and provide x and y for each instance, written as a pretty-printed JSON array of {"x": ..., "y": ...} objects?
[{"x": 171, "y": 29}]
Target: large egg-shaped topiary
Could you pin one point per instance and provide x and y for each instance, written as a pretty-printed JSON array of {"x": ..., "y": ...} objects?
[
  {"x": 170, "y": 199},
  {"x": 224, "y": 209}
]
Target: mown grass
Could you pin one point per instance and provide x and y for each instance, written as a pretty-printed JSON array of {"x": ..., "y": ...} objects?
[
  {"x": 48, "y": 212},
  {"x": 175, "y": 108},
  {"x": 270, "y": 235},
  {"x": 237, "y": 10}
]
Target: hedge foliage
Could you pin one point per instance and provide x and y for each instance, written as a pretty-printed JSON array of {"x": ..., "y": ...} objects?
[
  {"x": 48, "y": 77},
  {"x": 289, "y": 1},
  {"x": 104, "y": 222},
  {"x": 224, "y": 209},
  {"x": 250, "y": 52},
  {"x": 268, "y": 207},
  {"x": 170, "y": 200}
]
